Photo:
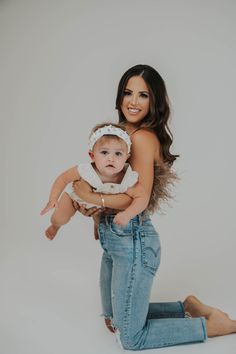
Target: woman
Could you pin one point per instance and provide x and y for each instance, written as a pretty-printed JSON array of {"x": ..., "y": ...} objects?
[{"x": 132, "y": 253}]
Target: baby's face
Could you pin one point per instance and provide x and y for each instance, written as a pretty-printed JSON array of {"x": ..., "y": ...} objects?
[{"x": 109, "y": 156}]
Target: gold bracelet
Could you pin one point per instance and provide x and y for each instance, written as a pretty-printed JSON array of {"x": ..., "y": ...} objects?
[{"x": 103, "y": 201}]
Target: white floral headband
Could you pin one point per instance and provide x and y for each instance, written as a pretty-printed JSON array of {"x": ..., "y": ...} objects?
[{"x": 109, "y": 130}]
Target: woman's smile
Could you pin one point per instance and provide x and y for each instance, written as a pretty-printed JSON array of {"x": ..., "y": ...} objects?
[{"x": 133, "y": 111}]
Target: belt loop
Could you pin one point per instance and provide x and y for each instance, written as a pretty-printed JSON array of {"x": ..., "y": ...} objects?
[
  {"x": 106, "y": 220},
  {"x": 140, "y": 219}
]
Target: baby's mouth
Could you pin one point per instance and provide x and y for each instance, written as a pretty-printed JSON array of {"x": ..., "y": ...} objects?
[{"x": 110, "y": 166}]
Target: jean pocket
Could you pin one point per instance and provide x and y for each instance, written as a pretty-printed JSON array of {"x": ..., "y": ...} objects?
[
  {"x": 121, "y": 231},
  {"x": 150, "y": 252}
]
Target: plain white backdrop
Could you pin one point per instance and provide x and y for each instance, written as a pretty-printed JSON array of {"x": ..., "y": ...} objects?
[{"x": 60, "y": 64}]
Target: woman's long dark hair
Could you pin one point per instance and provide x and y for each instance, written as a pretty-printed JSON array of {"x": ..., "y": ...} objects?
[{"x": 159, "y": 112}]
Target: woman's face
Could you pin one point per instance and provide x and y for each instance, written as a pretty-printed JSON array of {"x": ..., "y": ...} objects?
[{"x": 136, "y": 101}]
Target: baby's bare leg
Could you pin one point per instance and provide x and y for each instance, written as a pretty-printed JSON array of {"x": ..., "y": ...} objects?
[{"x": 61, "y": 215}]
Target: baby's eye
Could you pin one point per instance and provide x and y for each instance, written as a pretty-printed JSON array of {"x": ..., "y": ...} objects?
[
  {"x": 118, "y": 153},
  {"x": 104, "y": 152}
]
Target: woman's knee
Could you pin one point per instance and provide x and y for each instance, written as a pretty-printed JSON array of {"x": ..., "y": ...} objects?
[{"x": 126, "y": 342}]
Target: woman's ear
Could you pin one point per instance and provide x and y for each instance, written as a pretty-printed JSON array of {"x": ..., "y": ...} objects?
[{"x": 91, "y": 154}]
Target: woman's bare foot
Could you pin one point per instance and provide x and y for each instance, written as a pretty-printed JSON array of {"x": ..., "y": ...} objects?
[
  {"x": 109, "y": 325},
  {"x": 219, "y": 324},
  {"x": 197, "y": 309},
  {"x": 51, "y": 231}
]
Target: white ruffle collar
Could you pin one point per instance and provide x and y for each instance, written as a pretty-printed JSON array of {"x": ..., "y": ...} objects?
[{"x": 88, "y": 173}]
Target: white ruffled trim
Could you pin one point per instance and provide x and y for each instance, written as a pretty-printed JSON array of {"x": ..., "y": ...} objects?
[{"x": 88, "y": 173}]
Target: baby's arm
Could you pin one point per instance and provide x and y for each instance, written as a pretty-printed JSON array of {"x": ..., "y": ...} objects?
[
  {"x": 59, "y": 185},
  {"x": 139, "y": 203}
]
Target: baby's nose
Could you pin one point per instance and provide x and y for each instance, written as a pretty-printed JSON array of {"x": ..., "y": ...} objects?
[{"x": 110, "y": 157}]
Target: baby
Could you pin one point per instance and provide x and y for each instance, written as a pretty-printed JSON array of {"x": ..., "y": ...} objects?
[{"x": 108, "y": 173}]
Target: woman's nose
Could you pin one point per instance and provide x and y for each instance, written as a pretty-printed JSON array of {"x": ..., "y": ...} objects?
[{"x": 134, "y": 99}]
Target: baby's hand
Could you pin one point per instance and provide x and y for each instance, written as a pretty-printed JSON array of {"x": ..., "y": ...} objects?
[
  {"x": 50, "y": 205},
  {"x": 121, "y": 218}
]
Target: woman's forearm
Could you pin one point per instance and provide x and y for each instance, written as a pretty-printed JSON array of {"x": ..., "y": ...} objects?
[{"x": 114, "y": 201}]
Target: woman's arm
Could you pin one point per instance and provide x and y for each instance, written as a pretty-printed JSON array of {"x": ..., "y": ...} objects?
[
  {"x": 144, "y": 148},
  {"x": 59, "y": 185},
  {"x": 115, "y": 201},
  {"x": 139, "y": 204}
]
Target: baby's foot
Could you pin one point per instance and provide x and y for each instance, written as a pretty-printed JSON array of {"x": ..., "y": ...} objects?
[
  {"x": 197, "y": 309},
  {"x": 51, "y": 231}
]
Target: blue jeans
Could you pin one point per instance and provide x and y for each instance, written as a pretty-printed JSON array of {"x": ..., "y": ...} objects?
[{"x": 130, "y": 260}]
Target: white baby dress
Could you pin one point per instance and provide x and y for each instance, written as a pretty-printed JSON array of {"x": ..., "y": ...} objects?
[{"x": 88, "y": 173}]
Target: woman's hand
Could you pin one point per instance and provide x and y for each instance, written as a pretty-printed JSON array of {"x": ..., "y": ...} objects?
[
  {"x": 87, "y": 212},
  {"x": 121, "y": 218}
]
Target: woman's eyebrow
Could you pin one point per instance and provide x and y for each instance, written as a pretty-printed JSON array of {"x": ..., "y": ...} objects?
[{"x": 139, "y": 91}]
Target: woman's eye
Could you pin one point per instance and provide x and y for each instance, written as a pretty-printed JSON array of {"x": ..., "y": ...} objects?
[{"x": 144, "y": 95}]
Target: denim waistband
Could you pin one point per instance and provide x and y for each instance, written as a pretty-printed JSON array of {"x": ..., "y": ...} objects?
[{"x": 137, "y": 220}]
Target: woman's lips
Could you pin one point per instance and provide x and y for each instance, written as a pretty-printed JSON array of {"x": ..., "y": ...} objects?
[{"x": 133, "y": 111}]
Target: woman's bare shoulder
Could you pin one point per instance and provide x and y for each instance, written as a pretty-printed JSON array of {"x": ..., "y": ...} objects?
[
  {"x": 145, "y": 136},
  {"x": 147, "y": 139}
]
